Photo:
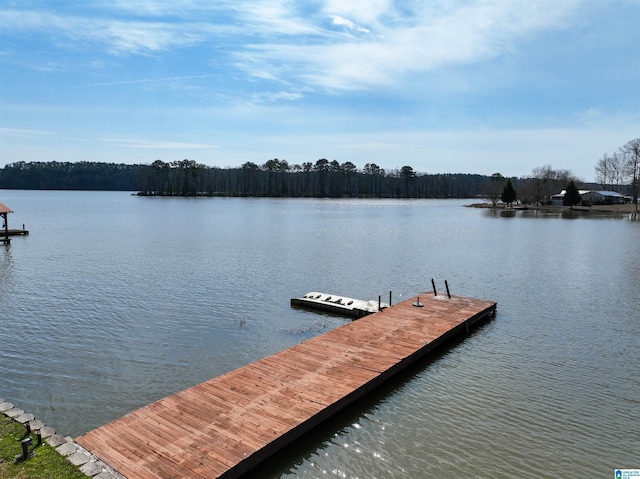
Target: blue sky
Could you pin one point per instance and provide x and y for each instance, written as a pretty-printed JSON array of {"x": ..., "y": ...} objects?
[{"x": 469, "y": 86}]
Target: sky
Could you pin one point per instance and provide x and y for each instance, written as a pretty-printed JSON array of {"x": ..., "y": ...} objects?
[{"x": 465, "y": 86}]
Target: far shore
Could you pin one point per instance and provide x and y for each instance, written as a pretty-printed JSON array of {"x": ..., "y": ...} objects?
[{"x": 600, "y": 209}]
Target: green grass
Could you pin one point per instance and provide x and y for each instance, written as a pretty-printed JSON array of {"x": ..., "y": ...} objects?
[{"x": 47, "y": 463}]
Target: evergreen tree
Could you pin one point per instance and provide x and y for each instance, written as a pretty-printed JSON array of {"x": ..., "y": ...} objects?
[
  {"x": 571, "y": 195},
  {"x": 508, "y": 193}
]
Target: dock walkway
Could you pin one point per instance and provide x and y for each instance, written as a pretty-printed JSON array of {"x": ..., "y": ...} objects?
[{"x": 227, "y": 426}]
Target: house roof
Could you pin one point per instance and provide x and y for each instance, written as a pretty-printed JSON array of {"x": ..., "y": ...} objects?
[
  {"x": 564, "y": 192},
  {"x": 609, "y": 193},
  {"x": 5, "y": 209},
  {"x": 601, "y": 193}
]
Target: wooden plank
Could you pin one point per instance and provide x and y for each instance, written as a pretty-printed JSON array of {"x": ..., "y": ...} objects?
[{"x": 229, "y": 424}]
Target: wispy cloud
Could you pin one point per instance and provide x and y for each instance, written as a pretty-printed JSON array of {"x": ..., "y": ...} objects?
[
  {"x": 150, "y": 80},
  {"x": 157, "y": 145},
  {"x": 117, "y": 36},
  {"x": 417, "y": 41},
  {"x": 381, "y": 41},
  {"x": 277, "y": 96},
  {"x": 24, "y": 132},
  {"x": 337, "y": 20}
]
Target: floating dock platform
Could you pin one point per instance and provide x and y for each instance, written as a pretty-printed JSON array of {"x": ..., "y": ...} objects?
[
  {"x": 229, "y": 425},
  {"x": 336, "y": 304}
]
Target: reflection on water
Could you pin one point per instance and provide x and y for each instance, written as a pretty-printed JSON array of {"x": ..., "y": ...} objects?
[
  {"x": 114, "y": 301},
  {"x": 562, "y": 213}
]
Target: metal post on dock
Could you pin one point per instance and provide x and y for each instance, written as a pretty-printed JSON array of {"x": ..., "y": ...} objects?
[
  {"x": 446, "y": 285},
  {"x": 390, "y": 303},
  {"x": 379, "y": 302},
  {"x": 433, "y": 284}
]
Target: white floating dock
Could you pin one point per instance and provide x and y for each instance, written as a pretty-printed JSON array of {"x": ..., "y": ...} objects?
[{"x": 337, "y": 304}]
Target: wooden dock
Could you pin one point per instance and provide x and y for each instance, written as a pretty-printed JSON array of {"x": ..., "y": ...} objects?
[
  {"x": 5, "y": 235},
  {"x": 22, "y": 232},
  {"x": 227, "y": 426}
]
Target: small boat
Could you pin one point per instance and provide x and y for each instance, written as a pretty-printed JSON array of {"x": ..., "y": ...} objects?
[{"x": 333, "y": 303}]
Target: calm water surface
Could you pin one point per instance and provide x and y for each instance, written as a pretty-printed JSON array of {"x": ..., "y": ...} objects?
[{"x": 114, "y": 301}]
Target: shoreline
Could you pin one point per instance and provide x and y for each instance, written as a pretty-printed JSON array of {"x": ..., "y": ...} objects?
[
  {"x": 611, "y": 210},
  {"x": 87, "y": 463}
]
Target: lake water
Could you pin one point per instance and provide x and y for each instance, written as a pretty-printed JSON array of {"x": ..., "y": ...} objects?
[{"x": 114, "y": 301}]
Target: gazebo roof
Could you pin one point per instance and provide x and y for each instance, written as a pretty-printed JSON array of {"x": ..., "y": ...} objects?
[{"x": 5, "y": 209}]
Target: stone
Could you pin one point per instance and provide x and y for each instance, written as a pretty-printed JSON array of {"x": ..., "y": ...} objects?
[
  {"x": 14, "y": 412},
  {"x": 66, "y": 449},
  {"x": 91, "y": 468},
  {"x": 25, "y": 417},
  {"x": 104, "y": 475},
  {"x": 55, "y": 440},
  {"x": 5, "y": 406},
  {"x": 37, "y": 424},
  {"x": 78, "y": 458},
  {"x": 108, "y": 475},
  {"x": 47, "y": 431}
]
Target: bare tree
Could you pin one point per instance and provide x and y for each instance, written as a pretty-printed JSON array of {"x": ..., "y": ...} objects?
[
  {"x": 630, "y": 153},
  {"x": 494, "y": 187},
  {"x": 541, "y": 177},
  {"x": 611, "y": 171},
  {"x": 603, "y": 171}
]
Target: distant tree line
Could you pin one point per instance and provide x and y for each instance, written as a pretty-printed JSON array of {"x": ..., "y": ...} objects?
[
  {"x": 324, "y": 178},
  {"x": 84, "y": 175},
  {"x": 275, "y": 178}
]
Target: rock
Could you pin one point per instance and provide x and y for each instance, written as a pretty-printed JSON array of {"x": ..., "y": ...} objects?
[
  {"x": 107, "y": 475},
  {"x": 24, "y": 418},
  {"x": 37, "y": 424},
  {"x": 91, "y": 468},
  {"x": 5, "y": 406},
  {"x": 78, "y": 458},
  {"x": 14, "y": 412},
  {"x": 67, "y": 449},
  {"x": 56, "y": 440},
  {"x": 48, "y": 432}
]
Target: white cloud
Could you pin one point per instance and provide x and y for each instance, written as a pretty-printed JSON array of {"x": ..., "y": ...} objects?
[
  {"x": 367, "y": 12},
  {"x": 277, "y": 96},
  {"x": 288, "y": 41},
  {"x": 337, "y": 20},
  {"x": 117, "y": 36},
  {"x": 274, "y": 18},
  {"x": 150, "y": 80},
  {"x": 23, "y": 132},
  {"x": 157, "y": 145},
  {"x": 418, "y": 41}
]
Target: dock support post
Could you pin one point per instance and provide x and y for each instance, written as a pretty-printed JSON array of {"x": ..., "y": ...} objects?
[
  {"x": 379, "y": 302},
  {"x": 390, "y": 303},
  {"x": 446, "y": 285},
  {"x": 433, "y": 284}
]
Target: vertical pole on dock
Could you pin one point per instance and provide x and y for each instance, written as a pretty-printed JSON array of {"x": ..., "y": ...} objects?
[
  {"x": 433, "y": 284},
  {"x": 379, "y": 302},
  {"x": 446, "y": 285},
  {"x": 390, "y": 298}
]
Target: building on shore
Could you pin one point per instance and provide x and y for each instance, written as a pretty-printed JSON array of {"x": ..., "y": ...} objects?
[{"x": 593, "y": 197}]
